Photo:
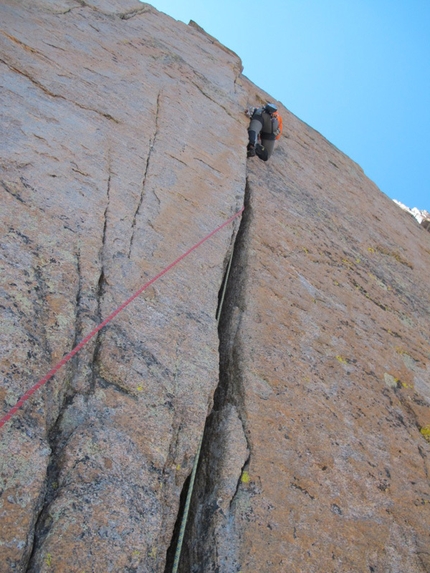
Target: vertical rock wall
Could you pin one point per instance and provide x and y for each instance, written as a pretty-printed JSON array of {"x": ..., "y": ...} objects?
[
  {"x": 123, "y": 145},
  {"x": 324, "y": 391}
]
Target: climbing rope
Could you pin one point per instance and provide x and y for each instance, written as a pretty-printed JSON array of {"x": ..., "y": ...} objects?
[
  {"x": 84, "y": 341},
  {"x": 227, "y": 274},
  {"x": 186, "y": 509}
]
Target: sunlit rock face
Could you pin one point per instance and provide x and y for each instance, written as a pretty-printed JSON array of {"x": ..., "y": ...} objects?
[
  {"x": 325, "y": 358},
  {"x": 124, "y": 145},
  {"x": 123, "y": 148}
]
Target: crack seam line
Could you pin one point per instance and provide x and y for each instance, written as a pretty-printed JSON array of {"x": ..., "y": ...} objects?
[
  {"x": 239, "y": 481},
  {"x": 53, "y": 95},
  {"x": 145, "y": 175},
  {"x": 218, "y": 314},
  {"x": 83, "y": 342},
  {"x": 186, "y": 509},
  {"x": 52, "y": 467},
  {"x": 197, "y": 457}
]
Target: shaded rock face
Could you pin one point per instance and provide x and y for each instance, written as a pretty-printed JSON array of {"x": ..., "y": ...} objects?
[
  {"x": 425, "y": 220},
  {"x": 124, "y": 144}
]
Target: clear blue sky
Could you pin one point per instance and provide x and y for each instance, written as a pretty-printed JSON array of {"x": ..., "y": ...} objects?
[{"x": 357, "y": 71}]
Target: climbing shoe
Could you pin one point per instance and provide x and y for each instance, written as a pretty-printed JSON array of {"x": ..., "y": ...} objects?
[
  {"x": 250, "y": 150},
  {"x": 261, "y": 152}
]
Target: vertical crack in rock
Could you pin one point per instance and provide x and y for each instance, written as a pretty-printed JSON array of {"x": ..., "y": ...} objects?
[
  {"x": 152, "y": 142},
  {"x": 242, "y": 471},
  {"x": 101, "y": 285},
  {"x": 103, "y": 245},
  {"x": 78, "y": 321},
  {"x": 424, "y": 458},
  {"x": 40, "y": 505},
  {"x": 210, "y": 538},
  {"x": 41, "y": 307},
  {"x": 57, "y": 439},
  {"x": 171, "y": 551}
]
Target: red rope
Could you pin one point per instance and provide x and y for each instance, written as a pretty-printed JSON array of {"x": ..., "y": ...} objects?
[{"x": 84, "y": 341}]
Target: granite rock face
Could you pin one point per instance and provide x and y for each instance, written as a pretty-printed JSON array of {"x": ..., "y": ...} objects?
[
  {"x": 325, "y": 358},
  {"x": 124, "y": 145}
]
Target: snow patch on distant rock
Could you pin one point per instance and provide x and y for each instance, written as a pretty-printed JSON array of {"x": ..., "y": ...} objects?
[{"x": 423, "y": 217}]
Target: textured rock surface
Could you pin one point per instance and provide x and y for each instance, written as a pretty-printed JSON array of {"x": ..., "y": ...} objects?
[
  {"x": 117, "y": 157},
  {"x": 325, "y": 357},
  {"x": 123, "y": 146}
]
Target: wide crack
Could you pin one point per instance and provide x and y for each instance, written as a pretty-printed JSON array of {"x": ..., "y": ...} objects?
[{"x": 224, "y": 425}]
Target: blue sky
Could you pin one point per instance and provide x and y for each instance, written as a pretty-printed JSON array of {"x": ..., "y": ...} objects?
[{"x": 357, "y": 71}]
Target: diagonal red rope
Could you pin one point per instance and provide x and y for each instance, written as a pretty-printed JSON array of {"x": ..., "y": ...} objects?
[{"x": 84, "y": 341}]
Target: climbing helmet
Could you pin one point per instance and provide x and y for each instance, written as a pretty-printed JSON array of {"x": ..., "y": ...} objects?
[{"x": 270, "y": 108}]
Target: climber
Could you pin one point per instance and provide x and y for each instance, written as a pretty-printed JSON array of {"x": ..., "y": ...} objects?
[{"x": 265, "y": 128}]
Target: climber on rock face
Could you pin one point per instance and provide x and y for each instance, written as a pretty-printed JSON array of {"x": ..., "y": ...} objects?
[{"x": 265, "y": 128}]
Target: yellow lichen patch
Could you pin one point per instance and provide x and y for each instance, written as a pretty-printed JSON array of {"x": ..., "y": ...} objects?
[
  {"x": 48, "y": 559},
  {"x": 371, "y": 249},
  {"x": 425, "y": 431},
  {"x": 244, "y": 477},
  {"x": 153, "y": 553},
  {"x": 341, "y": 359},
  {"x": 395, "y": 254}
]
